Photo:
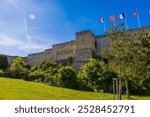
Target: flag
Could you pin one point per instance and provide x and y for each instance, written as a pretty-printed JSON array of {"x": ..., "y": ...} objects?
[
  {"x": 101, "y": 20},
  {"x": 112, "y": 18},
  {"x": 135, "y": 14},
  {"x": 121, "y": 16},
  {"x": 149, "y": 13}
]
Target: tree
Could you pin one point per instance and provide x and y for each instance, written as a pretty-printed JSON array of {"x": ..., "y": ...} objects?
[
  {"x": 97, "y": 76},
  {"x": 3, "y": 62},
  {"x": 66, "y": 77},
  {"x": 18, "y": 68},
  {"x": 45, "y": 72},
  {"x": 129, "y": 54}
]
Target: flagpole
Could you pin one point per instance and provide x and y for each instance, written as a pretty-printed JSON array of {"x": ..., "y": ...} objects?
[
  {"x": 114, "y": 21},
  {"x": 104, "y": 26},
  {"x": 138, "y": 18},
  {"x": 126, "y": 23},
  {"x": 139, "y": 21}
]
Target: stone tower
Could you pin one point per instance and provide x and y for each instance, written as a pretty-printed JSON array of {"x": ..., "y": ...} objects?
[{"x": 85, "y": 48}]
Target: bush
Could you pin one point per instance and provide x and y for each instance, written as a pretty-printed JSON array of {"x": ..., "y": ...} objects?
[
  {"x": 66, "y": 77},
  {"x": 45, "y": 72},
  {"x": 96, "y": 75},
  {"x": 36, "y": 75},
  {"x": 18, "y": 68},
  {"x": 1, "y": 73}
]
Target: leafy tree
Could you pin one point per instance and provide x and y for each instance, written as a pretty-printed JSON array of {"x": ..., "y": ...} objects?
[
  {"x": 3, "y": 62},
  {"x": 146, "y": 83},
  {"x": 129, "y": 55},
  {"x": 96, "y": 75},
  {"x": 66, "y": 77},
  {"x": 45, "y": 71},
  {"x": 18, "y": 68}
]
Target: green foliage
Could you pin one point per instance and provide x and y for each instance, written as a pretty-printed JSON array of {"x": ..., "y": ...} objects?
[
  {"x": 66, "y": 77},
  {"x": 1, "y": 72},
  {"x": 146, "y": 83},
  {"x": 45, "y": 72},
  {"x": 36, "y": 75},
  {"x": 18, "y": 68},
  {"x": 3, "y": 62},
  {"x": 96, "y": 75},
  {"x": 129, "y": 56}
]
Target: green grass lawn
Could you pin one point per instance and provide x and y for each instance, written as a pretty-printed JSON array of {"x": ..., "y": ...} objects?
[{"x": 13, "y": 89}]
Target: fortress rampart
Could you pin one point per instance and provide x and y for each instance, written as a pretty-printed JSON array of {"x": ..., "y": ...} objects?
[{"x": 80, "y": 50}]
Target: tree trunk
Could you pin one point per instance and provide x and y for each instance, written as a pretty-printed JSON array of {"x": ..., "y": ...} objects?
[
  {"x": 117, "y": 88},
  {"x": 114, "y": 88},
  {"x": 127, "y": 89},
  {"x": 120, "y": 88}
]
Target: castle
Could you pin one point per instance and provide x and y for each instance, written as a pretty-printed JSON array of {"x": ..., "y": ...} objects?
[{"x": 78, "y": 51}]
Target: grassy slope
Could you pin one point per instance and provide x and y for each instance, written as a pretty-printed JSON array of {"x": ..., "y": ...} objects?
[{"x": 23, "y": 90}]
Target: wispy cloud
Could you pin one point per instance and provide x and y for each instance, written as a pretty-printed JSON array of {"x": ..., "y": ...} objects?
[
  {"x": 26, "y": 30},
  {"x": 11, "y": 42},
  {"x": 22, "y": 36},
  {"x": 14, "y": 31}
]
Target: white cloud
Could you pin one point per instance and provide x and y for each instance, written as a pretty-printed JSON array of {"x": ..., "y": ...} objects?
[{"x": 8, "y": 41}]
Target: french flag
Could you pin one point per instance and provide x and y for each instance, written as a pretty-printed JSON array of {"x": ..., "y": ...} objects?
[
  {"x": 121, "y": 16},
  {"x": 101, "y": 20}
]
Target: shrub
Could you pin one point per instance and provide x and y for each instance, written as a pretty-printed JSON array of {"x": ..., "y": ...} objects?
[
  {"x": 66, "y": 77},
  {"x": 96, "y": 75},
  {"x": 37, "y": 74},
  {"x": 44, "y": 72},
  {"x": 1, "y": 73},
  {"x": 18, "y": 68}
]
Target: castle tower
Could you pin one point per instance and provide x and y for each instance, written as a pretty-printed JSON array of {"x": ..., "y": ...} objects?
[{"x": 85, "y": 48}]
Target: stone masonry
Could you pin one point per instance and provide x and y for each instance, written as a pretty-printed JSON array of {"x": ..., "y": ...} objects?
[{"x": 80, "y": 50}]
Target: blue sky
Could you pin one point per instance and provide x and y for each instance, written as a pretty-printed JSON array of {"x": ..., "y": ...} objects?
[{"x": 30, "y": 26}]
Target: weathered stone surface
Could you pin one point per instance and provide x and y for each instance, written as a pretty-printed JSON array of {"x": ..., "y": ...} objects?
[
  {"x": 85, "y": 48},
  {"x": 11, "y": 58},
  {"x": 81, "y": 49}
]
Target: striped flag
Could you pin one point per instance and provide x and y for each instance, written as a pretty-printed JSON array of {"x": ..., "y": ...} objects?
[
  {"x": 149, "y": 12},
  {"x": 121, "y": 16},
  {"x": 102, "y": 20}
]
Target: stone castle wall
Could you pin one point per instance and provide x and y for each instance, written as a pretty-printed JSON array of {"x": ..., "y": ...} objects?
[
  {"x": 57, "y": 52},
  {"x": 64, "y": 51},
  {"x": 81, "y": 50},
  {"x": 85, "y": 48}
]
